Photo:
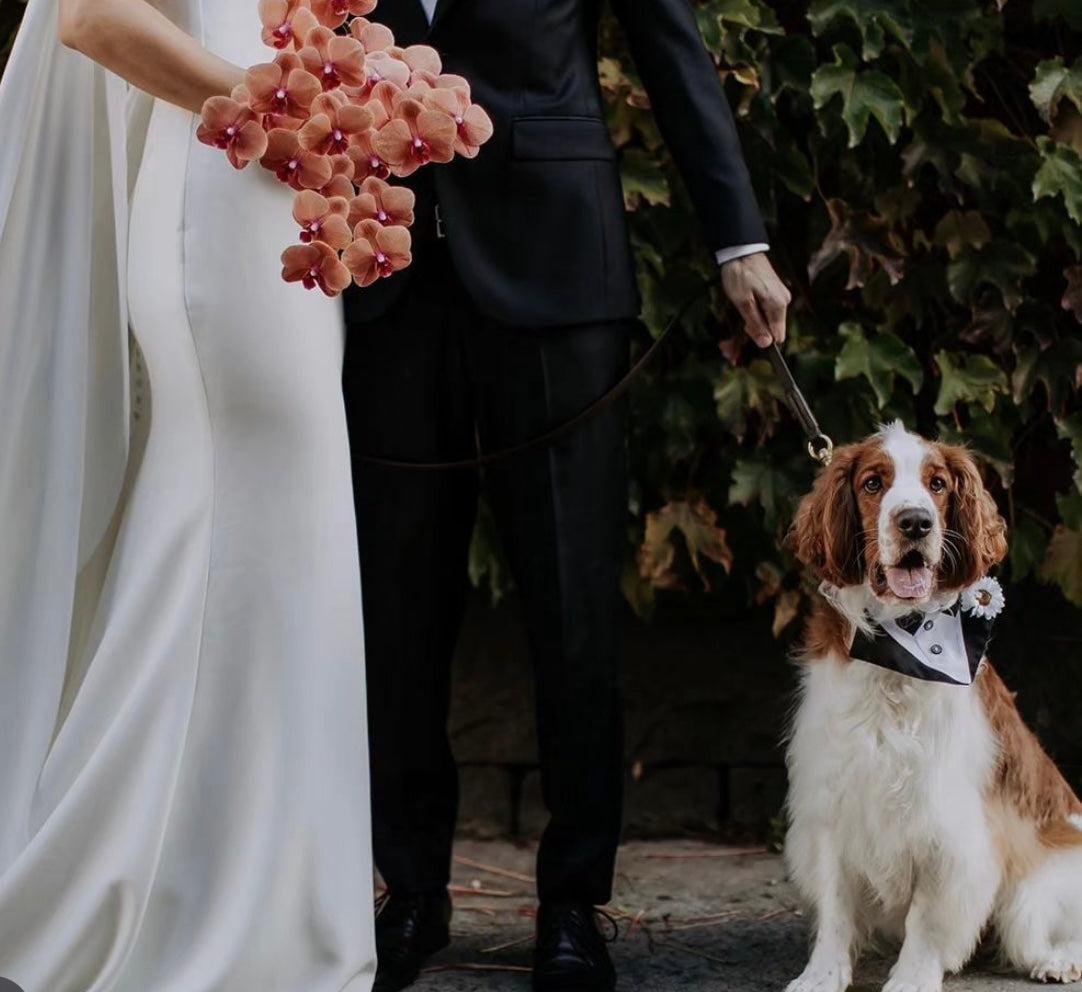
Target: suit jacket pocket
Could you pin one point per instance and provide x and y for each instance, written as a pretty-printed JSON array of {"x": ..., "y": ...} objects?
[{"x": 561, "y": 139}]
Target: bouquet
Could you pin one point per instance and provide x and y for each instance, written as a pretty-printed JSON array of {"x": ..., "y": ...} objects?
[{"x": 339, "y": 111}]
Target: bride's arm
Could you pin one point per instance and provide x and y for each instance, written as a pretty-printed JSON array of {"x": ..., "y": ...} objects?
[{"x": 139, "y": 43}]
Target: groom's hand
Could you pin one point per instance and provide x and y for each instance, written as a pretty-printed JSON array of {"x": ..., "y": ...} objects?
[{"x": 761, "y": 297}]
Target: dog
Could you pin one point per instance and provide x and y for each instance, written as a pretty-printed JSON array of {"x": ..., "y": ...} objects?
[{"x": 920, "y": 812}]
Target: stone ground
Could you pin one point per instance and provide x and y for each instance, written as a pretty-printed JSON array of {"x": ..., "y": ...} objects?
[{"x": 692, "y": 916}]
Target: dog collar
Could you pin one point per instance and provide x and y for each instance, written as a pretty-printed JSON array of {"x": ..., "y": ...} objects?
[{"x": 946, "y": 646}]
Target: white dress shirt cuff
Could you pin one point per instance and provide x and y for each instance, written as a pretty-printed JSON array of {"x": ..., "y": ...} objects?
[{"x": 739, "y": 251}]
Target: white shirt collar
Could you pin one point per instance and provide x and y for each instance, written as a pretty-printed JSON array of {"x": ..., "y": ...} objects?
[{"x": 430, "y": 9}]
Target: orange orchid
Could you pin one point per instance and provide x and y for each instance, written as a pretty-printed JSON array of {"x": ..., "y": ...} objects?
[
  {"x": 422, "y": 58},
  {"x": 315, "y": 265},
  {"x": 372, "y": 36},
  {"x": 335, "y": 60},
  {"x": 366, "y": 160},
  {"x": 334, "y": 126},
  {"x": 334, "y": 13},
  {"x": 341, "y": 181},
  {"x": 382, "y": 102},
  {"x": 383, "y": 66},
  {"x": 474, "y": 126},
  {"x": 377, "y": 252},
  {"x": 282, "y": 87},
  {"x": 323, "y": 219},
  {"x": 389, "y": 205},
  {"x": 416, "y": 137},
  {"x": 234, "y": 127},
  {"x": 293, "y": 164},
  {"x": 339, "y": 110},
  {"x": 286, "y": 23}
]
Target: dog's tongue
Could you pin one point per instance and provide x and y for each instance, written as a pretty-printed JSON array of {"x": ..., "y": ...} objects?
[{"x": 910, "y": 583}]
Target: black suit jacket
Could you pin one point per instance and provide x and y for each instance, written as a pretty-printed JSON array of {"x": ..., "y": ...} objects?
[{"x": 535, "y": 223}]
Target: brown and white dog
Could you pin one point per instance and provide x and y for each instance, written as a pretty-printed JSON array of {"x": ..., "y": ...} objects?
[{"x": 919, "y": 812}]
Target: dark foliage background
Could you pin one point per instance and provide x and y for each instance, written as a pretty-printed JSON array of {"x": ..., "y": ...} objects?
[{"x": 920, "y": 165}]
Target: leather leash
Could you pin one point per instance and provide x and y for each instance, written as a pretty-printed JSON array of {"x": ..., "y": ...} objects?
[{"x": 820, "y": 447}]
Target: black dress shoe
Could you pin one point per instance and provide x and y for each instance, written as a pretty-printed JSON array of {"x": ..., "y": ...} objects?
[
  {"x": 570, "y": 954},
  {"x": 409, "y": 927}
]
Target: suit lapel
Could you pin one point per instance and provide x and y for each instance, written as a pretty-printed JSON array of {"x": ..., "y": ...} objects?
[
  {"x": 406, "y": 18},
  {"x": 443, "y": 8}
]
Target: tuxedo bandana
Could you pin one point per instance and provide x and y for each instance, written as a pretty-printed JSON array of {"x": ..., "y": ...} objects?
[{"x": 946, "y": 646}]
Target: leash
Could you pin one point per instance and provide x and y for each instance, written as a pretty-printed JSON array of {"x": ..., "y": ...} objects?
[{"x": 820, "y": 447}]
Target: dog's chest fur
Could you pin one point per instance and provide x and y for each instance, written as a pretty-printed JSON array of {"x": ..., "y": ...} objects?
[{"x": 897, "y": 767}]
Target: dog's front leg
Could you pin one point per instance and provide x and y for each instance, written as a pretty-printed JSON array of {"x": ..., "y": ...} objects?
[
  {"x": 816, "y": 867},
  {"x": 952, "y": 901}
]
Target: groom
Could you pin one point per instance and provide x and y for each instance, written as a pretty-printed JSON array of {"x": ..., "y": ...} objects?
[{"x": 513, "y": 318}]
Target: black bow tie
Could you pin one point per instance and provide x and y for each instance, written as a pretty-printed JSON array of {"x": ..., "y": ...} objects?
[{"x": 911, "y": 622}]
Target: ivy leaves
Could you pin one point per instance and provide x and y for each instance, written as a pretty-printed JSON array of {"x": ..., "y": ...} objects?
[
  {"x": 926, "y": 209},
  {"x": 1060, "y": 174},
  {"x": 864, "y": 95},
  {"x": 1053, "y": 82},
  {"x": 880, "y": 360}
]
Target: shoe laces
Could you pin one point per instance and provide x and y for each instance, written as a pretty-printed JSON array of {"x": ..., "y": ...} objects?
[{"x": 584, "y": 929}]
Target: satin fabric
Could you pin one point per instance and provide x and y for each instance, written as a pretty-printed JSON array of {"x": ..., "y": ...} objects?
[{"x": 183, "y": 757}]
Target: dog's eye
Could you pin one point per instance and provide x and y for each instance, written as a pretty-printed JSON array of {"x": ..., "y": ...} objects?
[
  {"x": 873, "y": 484},
  {"x": 938, "y": 484}
]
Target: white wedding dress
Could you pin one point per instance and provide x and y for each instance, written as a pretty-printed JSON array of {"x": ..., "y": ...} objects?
[{"x": 183, "y": 757}]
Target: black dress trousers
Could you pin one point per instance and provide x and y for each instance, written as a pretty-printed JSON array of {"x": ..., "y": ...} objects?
[{"x": 427, "y": 380}]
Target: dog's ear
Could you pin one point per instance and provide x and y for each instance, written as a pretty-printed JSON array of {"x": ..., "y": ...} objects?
[
  {"x": 977, "y": 540},
  {"x": 826, "y": 534}
]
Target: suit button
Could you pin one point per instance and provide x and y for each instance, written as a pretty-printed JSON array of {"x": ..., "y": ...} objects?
[
  {"x": 929, "y": 625},
  {"x": 936, "y": 649}
]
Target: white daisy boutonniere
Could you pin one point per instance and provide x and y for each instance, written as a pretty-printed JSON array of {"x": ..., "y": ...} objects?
[{"x": 984, "y": 598}]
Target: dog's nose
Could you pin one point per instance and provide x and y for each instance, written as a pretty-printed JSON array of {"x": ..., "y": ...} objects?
[{"x": 915, "y": 523}]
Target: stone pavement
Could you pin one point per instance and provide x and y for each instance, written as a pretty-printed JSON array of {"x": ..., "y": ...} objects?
[{"x": 693, "y": 916}]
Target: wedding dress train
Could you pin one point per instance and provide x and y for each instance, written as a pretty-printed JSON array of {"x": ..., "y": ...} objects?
[{"x": 183, "y": 758}]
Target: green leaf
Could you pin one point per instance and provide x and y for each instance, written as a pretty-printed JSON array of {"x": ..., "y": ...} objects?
[
  {"x": 986, "y": 438},
  {"x": 879, "y": 360},
  {"x": 1000, "y": 264},
  {"x": 1028, "y": 547},
  {"x": 747, "y": 14},
  {"x": 1056, "y": 366},
  {"x": 958, "y": 230},
  {"x": 876, "y": 19},
  {"x": 1063, "y": 563},
  {"x": 696, "y": 522},
  {"x": 968, "y": 379},
  {"x": 1052, "y": 82},
  {"x": 1060, "y": 174},
  {"x": 643, "y": 179},
  {"x": 487, "y": 562},
  {"x": 763, "y": 483},
  {"x": 864, "y": 95},
  {"x": 868, "y": 241},
  {"x": 744, "y": 389},
  {"x": 1069, "y": 506},
  {"x": 1070, "y": 429}
]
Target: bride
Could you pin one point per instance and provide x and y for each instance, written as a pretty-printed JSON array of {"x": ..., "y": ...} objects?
[{"x": 183, "y": 766}]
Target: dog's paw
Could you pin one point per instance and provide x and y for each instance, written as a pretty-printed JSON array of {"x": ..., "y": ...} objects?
[
  {"x": 930, "y": 981},
  {"x": 1063, "y": 964},
  {"x": 833, "y": 978}
]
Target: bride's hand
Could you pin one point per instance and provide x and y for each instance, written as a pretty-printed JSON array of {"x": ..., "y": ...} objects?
[{"x": 139, "y": 43}]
